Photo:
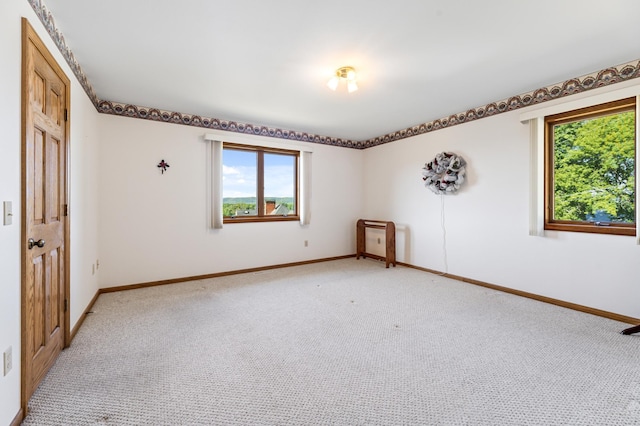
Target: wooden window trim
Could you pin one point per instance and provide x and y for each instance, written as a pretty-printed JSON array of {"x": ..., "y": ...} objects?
[
  {"x": 627, "y": 104},
  {"x": 261, "y": 217}
]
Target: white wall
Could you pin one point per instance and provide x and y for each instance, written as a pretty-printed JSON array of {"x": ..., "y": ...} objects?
[
  {"x": 154, "y": 226},
  {"x": 487, "y": 222},
  {"x": 10, "y": 191},
  {"x": 83, "y": 193}
]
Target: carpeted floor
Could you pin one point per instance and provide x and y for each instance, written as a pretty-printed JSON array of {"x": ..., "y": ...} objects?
[{"x": 339, "y": 343}]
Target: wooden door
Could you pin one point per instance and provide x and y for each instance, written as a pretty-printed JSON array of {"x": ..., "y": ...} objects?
[{"x": 45, "y": 97}]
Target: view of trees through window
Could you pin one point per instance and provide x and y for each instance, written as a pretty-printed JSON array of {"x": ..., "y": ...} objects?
[
  {"x": 258, "y": 182},
  {"x": 594, "y": 169},
  {"x": 238, "y": 206}
]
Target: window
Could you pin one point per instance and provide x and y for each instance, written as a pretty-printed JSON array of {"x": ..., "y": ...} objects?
[
  {"x": 590, "y": 169},
  {"x": 259, "y": 184}
]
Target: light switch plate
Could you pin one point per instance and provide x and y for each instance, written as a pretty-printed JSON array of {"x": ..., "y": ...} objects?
[
  {"x": 7, "y": 360},
  {"x": 8, "y": 212}
]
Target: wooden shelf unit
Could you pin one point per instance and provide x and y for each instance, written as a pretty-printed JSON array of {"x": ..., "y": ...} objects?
[{"x": 390, "y": 240}]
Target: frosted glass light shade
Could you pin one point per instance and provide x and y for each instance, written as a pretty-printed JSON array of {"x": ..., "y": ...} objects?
[{"x": 333, "y": 83}]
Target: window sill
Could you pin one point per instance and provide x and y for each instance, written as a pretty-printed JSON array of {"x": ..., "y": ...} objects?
[
  {"x": 256, "y": 219},
  {"x": 629, "y": 230}
]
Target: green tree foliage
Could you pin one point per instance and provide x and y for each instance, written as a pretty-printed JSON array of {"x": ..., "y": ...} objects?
[
  {"x": 230, "y": 209},
  {"x": 594, "y": 168},
  {"x": 231, "y": 205}
]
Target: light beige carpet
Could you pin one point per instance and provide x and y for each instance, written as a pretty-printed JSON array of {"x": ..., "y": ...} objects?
[{"x": 339, "y": 343}]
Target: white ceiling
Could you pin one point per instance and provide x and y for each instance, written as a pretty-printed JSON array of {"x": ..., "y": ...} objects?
[{"x": 266, "y": 62}]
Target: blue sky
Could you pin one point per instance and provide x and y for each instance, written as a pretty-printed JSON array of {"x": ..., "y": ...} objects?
[{"x": 239, "y": 174}]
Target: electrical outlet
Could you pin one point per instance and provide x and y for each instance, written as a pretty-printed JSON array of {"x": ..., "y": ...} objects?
[{"x": 8, "y": 360}]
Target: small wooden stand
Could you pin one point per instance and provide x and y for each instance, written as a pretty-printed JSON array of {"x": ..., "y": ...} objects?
[{"x": 390, "y": 240}]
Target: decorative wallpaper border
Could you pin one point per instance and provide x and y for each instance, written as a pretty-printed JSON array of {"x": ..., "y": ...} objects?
[
  {"x": 570, "y": 87},
  {"x": 56, "y": 35},
  {"x": 134, "y": 111}
]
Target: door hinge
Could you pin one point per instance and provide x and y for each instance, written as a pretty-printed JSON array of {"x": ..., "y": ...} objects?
[
  {"x": 66, "y": 305},
  {"x": 65, "y": 210},
  {"x": 66, "y": 114}
]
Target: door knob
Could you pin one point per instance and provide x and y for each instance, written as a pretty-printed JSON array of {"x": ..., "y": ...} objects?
[{"x": 32, "y": 243}]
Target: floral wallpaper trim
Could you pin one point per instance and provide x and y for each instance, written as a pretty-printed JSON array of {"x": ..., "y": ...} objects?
[
  {"x": 56, "y": 35},
  {"x": 134, "y": 111},
  {"x": 602, "y": 78}
]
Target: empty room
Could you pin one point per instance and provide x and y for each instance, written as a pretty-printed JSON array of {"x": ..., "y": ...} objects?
[{"x": 319, "y": 213}]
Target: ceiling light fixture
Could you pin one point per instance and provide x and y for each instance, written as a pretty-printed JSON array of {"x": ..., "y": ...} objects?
[{"x": 344, "y": 73}]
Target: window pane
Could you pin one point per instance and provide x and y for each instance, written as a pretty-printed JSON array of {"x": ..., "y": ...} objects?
[
  {"x": 279, "y": 184},
  {"x": 239, "y": 183},
  {"x": 594, "y": 178}
]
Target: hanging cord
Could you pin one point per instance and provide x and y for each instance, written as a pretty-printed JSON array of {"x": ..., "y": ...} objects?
[{"x": 444, "y": 235}]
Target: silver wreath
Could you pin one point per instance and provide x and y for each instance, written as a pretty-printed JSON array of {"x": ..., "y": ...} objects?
[{"x": 444, "y": 174}]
